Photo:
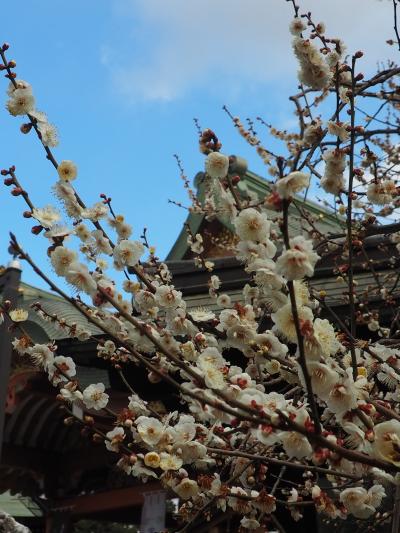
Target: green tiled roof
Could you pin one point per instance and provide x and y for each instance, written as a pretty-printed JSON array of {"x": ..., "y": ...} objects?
[
  {"x": 42, "y": 330},
  {"x": 18, "y": 506},
  {"x": 252, "y": 183}
]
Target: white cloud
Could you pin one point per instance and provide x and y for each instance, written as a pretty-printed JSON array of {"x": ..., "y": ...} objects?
[{"x": 233, "y": 45}]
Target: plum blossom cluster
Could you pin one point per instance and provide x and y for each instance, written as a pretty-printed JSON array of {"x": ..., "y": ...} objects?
[{"x": 271, "y": 385}]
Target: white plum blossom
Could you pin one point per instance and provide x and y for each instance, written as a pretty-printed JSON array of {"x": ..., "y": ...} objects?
[
  {"x": 297, "y": 26},
  {"x": 94, "y": 397},
  {"x": 62, "y": 258},
  {"x": 360, "y": 502},
  {"x": 170, "y": 461},
  {"x": 217, "y": 165},
  {"x": 67, "y": 170},
  {"x": 386, "y": 445},
  {"x": 251, "y": 225},
  {"x": 42, "y": 354},
  {"x": 18, "y": 315},
  {"x": 70, "y": 392},
  {"x": 48, "y": 133},
  {"x": 292, "y": 184},
  {"x": 298, "y": 261},
  {"x": 152, "y": 459},
  {"x": 314, "y": 71},
  {"x": 342, "y": 397},
  {"x": 339, "y": 129},
  {"x": 323, "y": 378},
  {"x": 128, "y": 253},
  {"x": 381, "y": 192},
  {"x": 335, "y": 164},
  {"x": 166, "y": 296},
  {"x": 213, "y": 377},
  {"x": 46, "y": 216},
  {"x": 79, "y": 276},
  {"x": 95, "y": 213},
  {"x": 21, "y": 102},
  {"x": 102, "y": 243},
  {"x": 295, "y": 444},
  {"x": 284, "y": 321},
  {"x": 114, "y": 439},
  {"x": 149, "y": 429},
  {"x": 61, "y": 369},
  {"x": 187, "y": 489}
]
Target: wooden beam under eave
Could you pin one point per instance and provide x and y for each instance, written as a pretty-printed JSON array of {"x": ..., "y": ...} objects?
[{"x": 110, "y": 500}]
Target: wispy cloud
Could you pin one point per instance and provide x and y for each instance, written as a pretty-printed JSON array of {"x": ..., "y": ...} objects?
[{"x": 231, "y": 45}]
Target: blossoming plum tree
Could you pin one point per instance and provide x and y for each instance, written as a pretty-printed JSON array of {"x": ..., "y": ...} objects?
[{"x": 310, "y": 396}]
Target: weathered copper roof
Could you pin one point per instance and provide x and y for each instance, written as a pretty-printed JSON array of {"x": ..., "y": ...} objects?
[{"x": 255, "y": 185}]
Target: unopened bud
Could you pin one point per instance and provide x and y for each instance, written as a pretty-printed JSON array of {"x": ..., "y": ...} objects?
[
  {"x": 358, "y": 54},
  {"x": 4, "y": 172},
  {"x": 5, "y": 47},
  {"x": 26, "y": 128},
  {"x": 36, "y": 229},
  {"x": 27, "y": 214},
  {"x": 12, "y": 64},
  {"x": 17, "y": 191},
  {"x": 9, "y": 181}
]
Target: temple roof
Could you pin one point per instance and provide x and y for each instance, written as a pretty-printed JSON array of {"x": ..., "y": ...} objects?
[
  {"x": 53, "y": 305},
  {"x": 253, "y": 184}
]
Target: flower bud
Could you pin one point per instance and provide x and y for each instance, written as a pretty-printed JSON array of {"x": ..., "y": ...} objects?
[
  {"x": 36, "y": 229},
  {"x": 17, "y": 191},
  {"x": 5, "y": 47},
  {"x": 26, "y": 128},
  {"x": 12, "y": 64}
]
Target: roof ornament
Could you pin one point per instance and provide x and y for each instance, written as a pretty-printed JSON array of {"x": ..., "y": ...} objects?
[{"x": 13, "y": 263}]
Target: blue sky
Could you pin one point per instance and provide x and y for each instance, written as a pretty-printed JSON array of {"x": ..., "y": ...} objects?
[{"x": 123, "y": 79}]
